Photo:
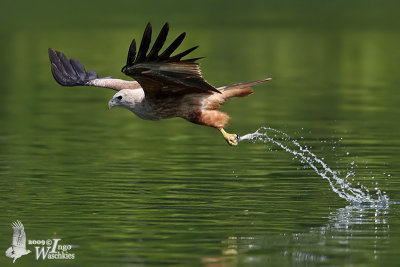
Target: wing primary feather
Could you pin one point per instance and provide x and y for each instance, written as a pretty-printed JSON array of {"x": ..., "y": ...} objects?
[
  {"x": 58, "y": 76},
  {"x": 184, "y": 53},
  {"x": 144, "y": 45},
  {"x": 91, "y": 75},
  {"x": 131, "y": 53},
  {"x": 78, "y": 67},
  {"x": 158, "y": 44},
  {"x": 52, "y": 55},
  {"x": 165, "y": 74},
  {"x": 66, "y": 64},
  {"x": 172, "y": 47},
  {"x": 56, "y": 60},
  {"x": 69, "y": 72},
  {"x": 191, "y": 59}
]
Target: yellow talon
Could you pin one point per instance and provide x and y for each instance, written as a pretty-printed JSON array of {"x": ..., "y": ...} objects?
[{"x": 232, "y": 139}]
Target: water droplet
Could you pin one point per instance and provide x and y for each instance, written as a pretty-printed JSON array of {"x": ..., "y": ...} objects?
[{"x": 338, "y": 185}]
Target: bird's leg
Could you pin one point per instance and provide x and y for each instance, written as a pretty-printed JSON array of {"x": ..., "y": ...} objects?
[{"x": 232, "y": 139}]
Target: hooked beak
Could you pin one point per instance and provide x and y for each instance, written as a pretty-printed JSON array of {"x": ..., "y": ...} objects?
[{"x": 111, "y": 104}]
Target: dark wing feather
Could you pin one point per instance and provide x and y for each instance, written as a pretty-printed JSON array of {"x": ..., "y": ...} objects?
[
  {"x": 184, "y": 53},
  {"x": 131, "y": 53},
  {"x": 72, "y": 73},
  {"x": 158, "y": 44},
  {"x": 162, "y": 75},
  {"x": 69, "y": 72},
  {"x": 172, "y": 47},
  {"x": 144, "y": 45}
]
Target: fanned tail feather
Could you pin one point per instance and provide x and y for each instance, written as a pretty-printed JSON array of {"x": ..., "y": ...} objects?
[
  {"x": 239, "y": 89},
  {"x": 241, "y": 92}
]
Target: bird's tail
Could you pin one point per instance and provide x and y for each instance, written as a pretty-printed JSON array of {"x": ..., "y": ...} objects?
[{"x": 239, "y": 89}]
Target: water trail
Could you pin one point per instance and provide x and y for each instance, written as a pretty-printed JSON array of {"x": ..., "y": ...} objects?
[{"x": 340, "y": 186}]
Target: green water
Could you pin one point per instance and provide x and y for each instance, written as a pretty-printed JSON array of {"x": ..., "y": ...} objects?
[{"x": 127, "y": 192}]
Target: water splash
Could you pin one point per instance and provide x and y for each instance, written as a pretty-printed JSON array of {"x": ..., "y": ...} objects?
[{"x": 340, "y": 186}]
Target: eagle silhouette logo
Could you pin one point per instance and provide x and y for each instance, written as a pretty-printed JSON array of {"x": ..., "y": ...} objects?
[{"x": 18, "y": 246}]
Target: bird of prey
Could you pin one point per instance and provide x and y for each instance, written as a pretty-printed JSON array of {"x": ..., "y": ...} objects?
[
  {"x": 18, "y": 247},
  {"x": 166, "y": 86}
]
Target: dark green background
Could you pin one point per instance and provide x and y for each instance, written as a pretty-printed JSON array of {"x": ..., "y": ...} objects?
[{"x": 131, "y": 192}]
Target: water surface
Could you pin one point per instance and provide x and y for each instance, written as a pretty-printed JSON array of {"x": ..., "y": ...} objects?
[{"x": 129, "y": 192}]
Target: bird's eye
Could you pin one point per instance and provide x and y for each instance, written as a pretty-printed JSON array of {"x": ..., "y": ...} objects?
[{"x": 119, "y": 97}]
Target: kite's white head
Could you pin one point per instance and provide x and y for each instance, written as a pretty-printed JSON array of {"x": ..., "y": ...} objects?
[{"x": 127, "y": 98}]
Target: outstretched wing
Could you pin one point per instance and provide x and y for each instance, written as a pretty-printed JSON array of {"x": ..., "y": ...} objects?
[
  {"x": 72, "y": 73},
  {"x": 19, "y": 237},
  {"x": 164, "y": 75}
]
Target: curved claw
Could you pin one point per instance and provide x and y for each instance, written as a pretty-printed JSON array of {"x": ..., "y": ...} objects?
[{"x": 231, "y": 139}]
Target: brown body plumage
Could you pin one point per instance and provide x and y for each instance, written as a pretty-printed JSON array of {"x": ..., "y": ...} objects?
[{"x": 166, "y": 86}]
